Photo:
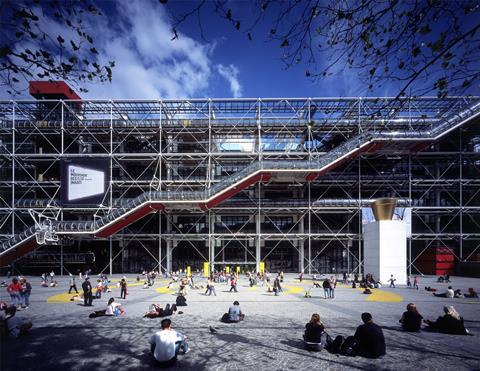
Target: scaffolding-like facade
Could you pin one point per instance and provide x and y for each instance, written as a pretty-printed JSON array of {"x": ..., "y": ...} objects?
[{"x": 285, "y": 180}]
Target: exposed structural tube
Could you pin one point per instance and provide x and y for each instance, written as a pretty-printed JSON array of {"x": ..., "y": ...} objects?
[{"x": 403, "y": 202}]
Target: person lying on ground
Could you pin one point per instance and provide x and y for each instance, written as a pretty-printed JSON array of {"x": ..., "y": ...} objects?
[
  {"x": 411, "y": 320},
  {"x": 430, "y": 289},
  {"x": 450, "y": 323},
  {"x": 157, "y": 311},
  {"x": 447, "y": 294}
]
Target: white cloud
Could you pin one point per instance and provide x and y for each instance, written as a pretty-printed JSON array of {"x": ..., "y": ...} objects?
[
  {"x": 230, "y": 73},
  {"x": 148, "y": 64}
]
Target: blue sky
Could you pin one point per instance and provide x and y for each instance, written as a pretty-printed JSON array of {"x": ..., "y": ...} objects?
[{"x": 137, "y": 35}]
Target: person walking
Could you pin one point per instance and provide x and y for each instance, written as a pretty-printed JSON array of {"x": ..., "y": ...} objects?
[
  {"x": 14, "y": 290},
  {"x": 276, "y": 286},
  {"x": 415, "y": 282},
  {"x": 52, "y": 276},
  {"x": 326, "y": 288},
  {"x": 123, "y": 288},
  {"x": 87, "y": 292},
  {"x": 392, "y": 281},
  {"x": 72, "y": 283},
  {"x": 25, "y": 293},
  {"x": 333, "y": 286},
  {"x": 233, "y": 284}
]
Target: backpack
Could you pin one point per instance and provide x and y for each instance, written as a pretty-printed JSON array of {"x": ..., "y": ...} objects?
[
  {"x": 349, "y": 347},
  {"x": 335, "y": 346}
]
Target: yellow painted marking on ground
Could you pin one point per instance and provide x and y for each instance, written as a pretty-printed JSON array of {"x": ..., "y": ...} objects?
[
  {"x": 293, "y": 289},
  {"x": 164, "y": 290},
  {"x": 61, "y": 298},
  {"x": 253, "y": 288},
  {"x": 382, "y": 296}
]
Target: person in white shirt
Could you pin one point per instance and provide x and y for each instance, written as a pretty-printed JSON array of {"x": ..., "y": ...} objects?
[
  {"x": 448, "y": 294},
  {"x": 111, "y": 306},
  {"x": 167, "y": 343},
  {"x": 234, "y": 314}
]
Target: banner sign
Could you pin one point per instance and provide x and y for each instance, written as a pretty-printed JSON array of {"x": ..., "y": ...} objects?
[{"x": 84, "y": 182}]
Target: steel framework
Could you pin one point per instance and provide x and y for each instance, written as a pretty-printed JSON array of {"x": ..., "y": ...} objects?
[{"x": 240, "y": 181}]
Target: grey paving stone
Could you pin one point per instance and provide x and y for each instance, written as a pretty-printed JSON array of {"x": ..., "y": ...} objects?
[{"x": 64, "y": 338}]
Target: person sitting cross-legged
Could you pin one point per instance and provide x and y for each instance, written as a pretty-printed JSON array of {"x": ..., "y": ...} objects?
[
  {"x": 166, "y": 344},
  {"x": 234, "y": 314},
  {"x": 313, "y": 333},
  {"x": 411, "y": 320},
  {"x": 371, "y": 342}
]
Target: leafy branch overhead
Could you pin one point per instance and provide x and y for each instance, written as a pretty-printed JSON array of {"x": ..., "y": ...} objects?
[
  {"x": 421, "y": 46},
  {"x": 32, "y": 49}
]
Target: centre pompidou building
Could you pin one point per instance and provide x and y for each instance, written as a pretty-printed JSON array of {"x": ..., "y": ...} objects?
[{"x": 127, "y": 185}]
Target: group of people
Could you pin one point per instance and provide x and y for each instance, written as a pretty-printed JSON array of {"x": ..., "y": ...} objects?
[
  {"x": 369, "y": 341},
  {"x": 19, "y": 290},
  {"x": 451, "y": 293}
]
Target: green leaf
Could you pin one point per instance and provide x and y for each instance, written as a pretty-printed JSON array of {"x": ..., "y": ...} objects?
[
  {"x": 229, "y": 14},
  {"x": 284, "y": 44},
  {"x": 93, "y": 51},
  {"x": 372, "y": 71},
  {"x": 237, "y": 25},
  {"x": 60, "y": 39},
  {"x": 416, "y": 51}
]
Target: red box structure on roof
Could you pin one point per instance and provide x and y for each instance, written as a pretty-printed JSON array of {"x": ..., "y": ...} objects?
[{"x": 52, "y": 90}]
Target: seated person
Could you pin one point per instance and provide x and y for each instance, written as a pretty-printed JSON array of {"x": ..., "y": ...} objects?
[
  {"x": 354, "y": 285},
  {"x": 181, "y": 301},
  {"x": 471, "y": 293},
  {"x": 411, "y": 320},
  {"x": 367, "y": 291},
  {"x": 371, "y": 342},
  {"x": 457, "y": 293},
  {"x": 313, "y": 333},
  {"x": 16, "y": 326},
  {"x": 166, "y": 344},
  {"x": 447, "y": 294},
  {"x": 450, "y": 323},
  {"x": 234, "y": 314},
  {"x": 113, "y": 307},
  {"x": 317, "y": 284}
]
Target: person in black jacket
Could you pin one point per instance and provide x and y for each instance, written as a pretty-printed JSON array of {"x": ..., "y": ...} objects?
[
  {"x": 450, "y": 323},
  {"x": 371, "y": 342},
  {"x": 411, "y": 320},
  {"x": 313, "y": 332},
  {"x": 87, "y": 292}
]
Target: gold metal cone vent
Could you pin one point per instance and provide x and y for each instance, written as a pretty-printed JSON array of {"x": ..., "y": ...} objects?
[{"x": 383, "y": 208}]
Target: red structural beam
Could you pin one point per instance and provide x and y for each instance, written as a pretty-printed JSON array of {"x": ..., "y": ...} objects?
[
  {"x": 262, "y": 177},
  {"x": 122, "y": 222},
  {"x": 52, "y": 90},
  {"x": 24, "y": 248},
  {"x": 419, "y": 147}
]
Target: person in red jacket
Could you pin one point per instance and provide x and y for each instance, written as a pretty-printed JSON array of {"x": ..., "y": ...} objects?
[{"x": 14, "y": 290}]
